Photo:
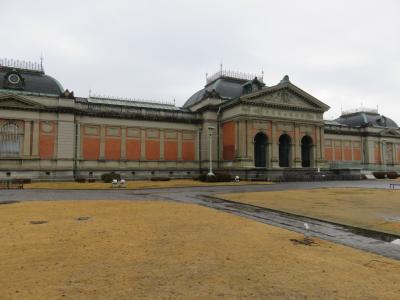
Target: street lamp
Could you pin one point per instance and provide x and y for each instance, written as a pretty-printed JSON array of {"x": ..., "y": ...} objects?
[{"x": 210, "y": 133}]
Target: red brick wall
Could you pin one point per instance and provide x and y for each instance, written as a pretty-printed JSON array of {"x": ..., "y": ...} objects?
[
  {"x": 152, "y": 150},
  {"x": 91, "y": 148},
  {"x": 170, "y": 150},
  {"x": 47, "y": 139},
  {"x": 112, "y": 149},
  {"x": 357, "y": 153},
  {"x": 188, "y": 151},
  {"x": 347, "y": 153},
  {"x": 328, "y": 153},
  {"x": 133, "y": 148},
  {"x": 228, "y": 142}
]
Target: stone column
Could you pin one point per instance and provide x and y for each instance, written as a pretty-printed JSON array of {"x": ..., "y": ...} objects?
[
  {"x": 123, "y": 143},
  {"x": 142, "y": 144},
  {"x": 316, "y": 151},
  {"x": 322, "y": 141},
  {"x": 78, "y": 146},
  {"x": 197, "y": 150},
  {"x": 237, "y": 146},
  {"x": 27, "y": 139},
  {"x": 250, "y": 142},
  {"x": 102, "y": 142},
  {"x": 274, "y": 148},
  {"x": 297, "y": 147},
  {"x": 35, "y": 138},
  {"x": 161, "y": 144},
  {"x": 180, "y": 145}
]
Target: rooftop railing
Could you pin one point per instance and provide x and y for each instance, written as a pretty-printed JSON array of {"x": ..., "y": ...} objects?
[
  {"x": 21, "y": 64},
  {"x": 127, "y": 99},
  {"x": 233, "y": 74},
  {"x": 360, "y": 109}
]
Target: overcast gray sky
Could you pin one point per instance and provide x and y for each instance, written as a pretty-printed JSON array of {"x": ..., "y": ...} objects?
[{"x": 343, "y": 52}]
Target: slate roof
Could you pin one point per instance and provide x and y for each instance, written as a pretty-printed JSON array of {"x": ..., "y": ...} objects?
[
  {"x": 35, "y": 81},
  {"x": 366, "y": 119},
  {"x": 130, "y": 103}
]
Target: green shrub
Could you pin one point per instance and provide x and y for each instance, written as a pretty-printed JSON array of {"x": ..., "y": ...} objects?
[
  {"x": 379, "y": 175},
  {"x": 109, "y": 177},
  {"x": 392, "y": 175},
  {"x": 160, "y": 179},
  {"x": 80, "y": 179},
  {"x": 223, "y": 177},
  {"x": 21, "y": 180},
  {"x": 211, "y": 178}
]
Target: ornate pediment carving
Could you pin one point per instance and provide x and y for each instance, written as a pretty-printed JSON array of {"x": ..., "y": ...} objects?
[
  {"x": 288, "y": 95},
  {"x": 390, "y": 132},
  {"x": 14, "y": 101}
]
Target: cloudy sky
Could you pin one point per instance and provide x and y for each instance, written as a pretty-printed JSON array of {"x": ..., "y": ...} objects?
[{"x": 345, "y": 53}]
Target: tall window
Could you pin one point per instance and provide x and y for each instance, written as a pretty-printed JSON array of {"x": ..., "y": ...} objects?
[{"x": 9, "y": 140}]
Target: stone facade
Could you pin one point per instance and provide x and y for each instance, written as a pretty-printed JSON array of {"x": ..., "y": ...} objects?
[{"x": 50, "y": 135}]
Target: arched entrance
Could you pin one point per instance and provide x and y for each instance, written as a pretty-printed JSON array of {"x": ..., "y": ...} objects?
[
  {"x": 284, "y": 150},
  {"x": 306, "y": 147},
  {"x": 260, "y": 150}
]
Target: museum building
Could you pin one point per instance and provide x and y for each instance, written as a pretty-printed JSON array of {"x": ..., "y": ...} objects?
[{"x": 238, "y": 122}]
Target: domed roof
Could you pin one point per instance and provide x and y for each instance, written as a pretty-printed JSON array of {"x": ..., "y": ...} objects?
[
  {"x": 34, "y": 81},
  {"x": 226, "y": 84},
  {"x": 366, "y": 119}
]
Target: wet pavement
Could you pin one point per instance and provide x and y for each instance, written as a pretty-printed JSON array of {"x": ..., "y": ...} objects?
[{"x": 374, "y": 242}]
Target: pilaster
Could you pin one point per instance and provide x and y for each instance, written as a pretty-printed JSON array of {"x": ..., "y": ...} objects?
[
  {"x": 123, "y": 143},
  {"x": 35, "y": 138},
  {"x": 27, "y": 139},
  {"x": 102, "y": 142}
]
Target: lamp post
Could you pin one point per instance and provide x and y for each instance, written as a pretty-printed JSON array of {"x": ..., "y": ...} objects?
[{"x": 210, "y": 133}]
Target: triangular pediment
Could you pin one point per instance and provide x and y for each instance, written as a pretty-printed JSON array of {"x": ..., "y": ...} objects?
[
  {"x": 16, "y": 101},
  {"x": 390, "y": 132},
  {"x": 288, "y": 95}
]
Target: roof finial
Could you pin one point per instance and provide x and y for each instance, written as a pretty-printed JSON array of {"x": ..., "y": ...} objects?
[
  {"x": 41, "y": 61},
  {"x": 220, "y": 65}
]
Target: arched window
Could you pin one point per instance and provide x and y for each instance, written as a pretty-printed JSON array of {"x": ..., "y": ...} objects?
[
  {"x": 260, "y": 150},
  {"x": 284, "y": 150},
  {"x": 10, "y": 140},
  {"x": 306, "y": 151}
]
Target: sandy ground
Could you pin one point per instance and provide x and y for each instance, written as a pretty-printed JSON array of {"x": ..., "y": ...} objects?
[
  {"x": 376, "y": 209},
  {"x": 139, "y": 184},
  {"x": 166, "y": 250}
]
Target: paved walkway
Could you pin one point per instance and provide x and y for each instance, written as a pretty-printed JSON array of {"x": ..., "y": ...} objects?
[{"x": 204, "y": 196}]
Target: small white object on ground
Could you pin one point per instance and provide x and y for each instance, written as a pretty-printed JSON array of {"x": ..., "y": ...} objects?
[
  {"x": 114, "y": 182},
  {"x": 237, "y": 179},
  {"x": 396, "y": 242},
  {"x": 122, "y": 183},
  {"x": 307, "y": 227}
]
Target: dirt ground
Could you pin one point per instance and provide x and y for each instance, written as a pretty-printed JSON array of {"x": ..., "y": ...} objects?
[
  {"x": 139, "y": 184},
  {"x": 167, "y": 250},
  {"x": 376, "y": 209}
]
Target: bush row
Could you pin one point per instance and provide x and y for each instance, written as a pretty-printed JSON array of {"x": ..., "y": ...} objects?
[
  {"x": 383, "y": 175},
  {"x": 217, "y": 177}
]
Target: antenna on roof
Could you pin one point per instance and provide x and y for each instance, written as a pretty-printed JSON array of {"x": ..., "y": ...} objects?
[
  {"x": 174, "y": 102},
  {"x": 262, "y": 74},
  {"x": 220, "y": 65},
  {"x": 41, "y": 61}
]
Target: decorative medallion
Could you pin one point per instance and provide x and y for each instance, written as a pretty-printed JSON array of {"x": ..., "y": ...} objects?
[{"x": 12, "y": 80}]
